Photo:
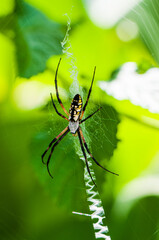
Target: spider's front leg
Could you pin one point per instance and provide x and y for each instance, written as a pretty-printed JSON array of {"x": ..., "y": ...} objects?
[
  {"x": 57, "y": 93},
  {"x": 89, "y": 93},
  {"x": 56, "y": 108}
]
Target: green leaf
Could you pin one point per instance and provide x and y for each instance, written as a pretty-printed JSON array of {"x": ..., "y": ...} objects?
[
  {"x": 136, "y": 204},
  {"x": 6, "y": 7},
  {"x": 102, "y": 130},
  {"x": 37, "y": 39},
  {"x": 146, "y": 15}
]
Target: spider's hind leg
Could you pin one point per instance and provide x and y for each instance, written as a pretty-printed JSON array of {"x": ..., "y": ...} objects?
[
  {"x": 54, "y": 140},
  {"x": 79, "y": 135},
  {"x": 85, "y": 144},
  {"x": 52, "y": 149}
]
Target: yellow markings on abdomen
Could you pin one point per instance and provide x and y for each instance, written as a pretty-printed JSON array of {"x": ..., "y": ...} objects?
[{"x": 75, "y": 108}]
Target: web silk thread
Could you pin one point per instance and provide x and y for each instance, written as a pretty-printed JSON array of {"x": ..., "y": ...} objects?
[{"x": 67, "y": 50}]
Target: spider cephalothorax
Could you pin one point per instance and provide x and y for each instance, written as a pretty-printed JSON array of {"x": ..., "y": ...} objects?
[{"x": 75, "y": 116}]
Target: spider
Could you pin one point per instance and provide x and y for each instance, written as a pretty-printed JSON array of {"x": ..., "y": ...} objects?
[{"x": 75, "y": 116}]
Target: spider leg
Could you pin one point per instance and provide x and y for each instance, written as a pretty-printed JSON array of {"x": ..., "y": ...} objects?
[
  {"x": 90, "y": 115},
  {"x": 84, "y": 108},
  {"x": 52, "y": 143},
  {"x": 56, "y": 108},
  {"x": 85, "y": 144},
  {"x": 57, "y": 93},
  {"x": 82, "y": 148},
  {"x": 52, "y": 149}
]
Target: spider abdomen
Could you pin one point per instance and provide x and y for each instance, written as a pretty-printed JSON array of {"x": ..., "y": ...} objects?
[{"x": 75, "y": 108}]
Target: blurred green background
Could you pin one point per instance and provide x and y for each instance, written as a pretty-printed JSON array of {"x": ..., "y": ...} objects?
[{"x": 123, "y": 136}]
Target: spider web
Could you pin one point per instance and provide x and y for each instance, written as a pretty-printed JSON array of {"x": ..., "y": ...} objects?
[{"x": 95, "y": 203}]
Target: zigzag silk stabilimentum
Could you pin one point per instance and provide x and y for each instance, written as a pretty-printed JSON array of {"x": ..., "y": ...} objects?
[{"x": 93, "y": 198}]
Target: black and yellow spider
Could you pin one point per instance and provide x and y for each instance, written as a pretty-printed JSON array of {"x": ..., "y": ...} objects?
[{"x": 75, "y": 116}]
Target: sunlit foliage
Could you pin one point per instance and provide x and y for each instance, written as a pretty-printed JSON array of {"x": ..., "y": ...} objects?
[{"x": 123, "y": 136}]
